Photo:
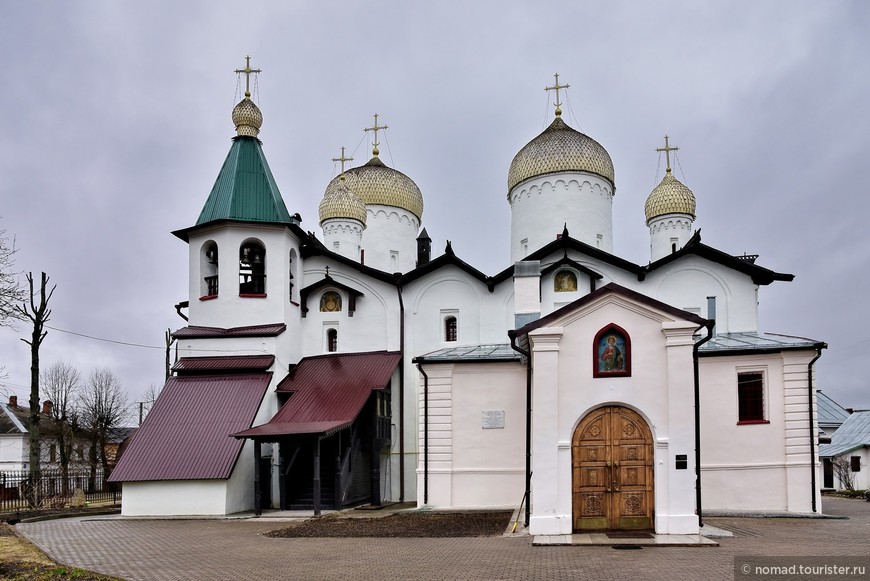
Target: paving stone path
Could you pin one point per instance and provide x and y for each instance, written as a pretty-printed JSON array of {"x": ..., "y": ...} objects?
[{"x": 237, "y": 550}]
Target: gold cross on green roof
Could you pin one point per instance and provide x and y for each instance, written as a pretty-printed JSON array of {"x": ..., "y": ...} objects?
[{"x": 247, "y": 72}]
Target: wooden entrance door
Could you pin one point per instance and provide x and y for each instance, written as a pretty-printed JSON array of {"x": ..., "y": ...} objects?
[{"x": 612, "y": 478}]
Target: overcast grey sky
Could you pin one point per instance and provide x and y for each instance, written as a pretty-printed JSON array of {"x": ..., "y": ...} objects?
[{"x": 116, "y": 119}]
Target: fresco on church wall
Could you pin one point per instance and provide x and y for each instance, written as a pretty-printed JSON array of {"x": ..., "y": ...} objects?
[{"x": 612, "y": 352}]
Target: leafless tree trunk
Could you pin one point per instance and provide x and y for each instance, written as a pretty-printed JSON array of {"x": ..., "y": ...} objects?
[
  {"x": 169, "y": 341},
  {"x": 61, "y": 383},
  {"x": 38, "y": 313},
  {"x": 104, "y": 406}
]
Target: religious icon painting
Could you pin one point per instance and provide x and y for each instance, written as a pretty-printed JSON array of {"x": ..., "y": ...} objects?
[{"x": 611, "y": 352}]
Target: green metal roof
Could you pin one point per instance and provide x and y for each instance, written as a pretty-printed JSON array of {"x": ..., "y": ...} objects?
[{"x": 245, "y": 189}]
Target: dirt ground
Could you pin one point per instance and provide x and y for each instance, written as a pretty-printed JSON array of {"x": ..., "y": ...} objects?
[{"x": 402, "y": 524}]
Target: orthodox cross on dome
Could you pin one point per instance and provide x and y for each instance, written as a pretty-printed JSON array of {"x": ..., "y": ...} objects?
[
  {"x": 667, "y": 149},
  {"x": 343, "y": 159},
  {"x": 247, "y": 72},
  {"x": 376, "y": 128},
  {"x": 556, "y": 88}
]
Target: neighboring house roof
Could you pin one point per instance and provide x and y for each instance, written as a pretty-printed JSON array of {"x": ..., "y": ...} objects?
[
  {"x": 470, "y": 354},
  {"x": 186, "y": 435},
  {"x": 10, "y": 422},
  {"x": 328, "y": 391},
  {"x": 118, "y": 435},
  {"x": 196, "y": 332},
  {"x": 191, "y": 365},
  {"x": 830, "y": 413},
  {"x": 853, "y": 434}
]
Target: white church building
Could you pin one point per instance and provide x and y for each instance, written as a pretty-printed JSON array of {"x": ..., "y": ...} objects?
[{"x": 355, "y": 367}]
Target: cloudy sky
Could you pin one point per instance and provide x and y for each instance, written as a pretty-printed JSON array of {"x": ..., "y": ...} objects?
[{"x": 115, "y": 119}]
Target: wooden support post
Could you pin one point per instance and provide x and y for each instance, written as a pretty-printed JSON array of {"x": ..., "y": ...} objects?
[
  {"x": 257, "y": 475},
  {"x": 375, "y": 468},
  {"x": 282, "y": 478},
  {"x": 338, "y": 482},
  {"x": 317, "y": 476}
]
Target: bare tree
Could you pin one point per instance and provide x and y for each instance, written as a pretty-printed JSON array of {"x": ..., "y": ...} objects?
[
  {"x": 61, "y": 383},
  {"x": 11, "y": 293},
  {"x": 103, "y": 407},
  {"x": 843, "y": 470},
  {"x": 38, "y": 313},
  {"x": 148, "y": 399}
]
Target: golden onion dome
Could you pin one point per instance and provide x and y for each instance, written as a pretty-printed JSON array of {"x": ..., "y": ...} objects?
[
  {"x": 375, "y": 183},
  {"x": 560, "y": 149},
  {"x": 669, "y": 197},
  {"x": 247, "y": 118},
  {"x": 340, "y": 202}
]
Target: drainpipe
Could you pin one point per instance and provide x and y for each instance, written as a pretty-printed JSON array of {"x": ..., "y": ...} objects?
[
  {"x": 182, "y": 305},
  {"x": 709, "y": 325},
  {"x": 810, "y": 393},
  {"x": 515, "y": 347},
  {"x": 401, "y": 388},
  {"x": 425, "y": 434}
]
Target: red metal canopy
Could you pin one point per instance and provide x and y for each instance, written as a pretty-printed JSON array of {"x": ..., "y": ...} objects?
[
  {"x": 186, "y": 435},
  {"x": 328, "y": 393}
]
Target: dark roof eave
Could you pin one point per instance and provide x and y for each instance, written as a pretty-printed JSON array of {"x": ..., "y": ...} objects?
[
  {"x": 293, "y": 226},
  {"x": 314, "y": 247},
  {"x": 447, "y": 259},
  {"x": 594, "y": 295},
  {"x": 760, "y": 275}
]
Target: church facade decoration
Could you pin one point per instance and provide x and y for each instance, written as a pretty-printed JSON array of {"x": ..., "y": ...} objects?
[{"x": 612, "y": 352}]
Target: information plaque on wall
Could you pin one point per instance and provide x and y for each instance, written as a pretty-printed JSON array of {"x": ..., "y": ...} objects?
[{"x": 492, "y": 419}]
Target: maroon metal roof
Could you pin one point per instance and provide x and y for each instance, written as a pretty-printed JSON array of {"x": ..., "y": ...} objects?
[
  {"x": 195, "y": 332},
  {"x": 328, "y": 393},
  {"x": 186, "y": 435},
  {"x": 233, "y": 363}
]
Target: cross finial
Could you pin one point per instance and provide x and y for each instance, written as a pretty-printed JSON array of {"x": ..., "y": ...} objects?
[
  {"x": 376, "y": 128},
  {"x": 247, "y": 72},
  {"x": 667, "y": 149},
  {"x": 342, "y": 159},
  {"x": 556, "y": 87}
]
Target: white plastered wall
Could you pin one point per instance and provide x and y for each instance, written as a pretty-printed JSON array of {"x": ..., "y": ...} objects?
[
  {"x": 541, "y": 207},
  {"x": 175, "y": 497},
  {"x": 757, "y": 466},
  {"x": 469, "y": 465},
  {"x": 390, "y": 238}
]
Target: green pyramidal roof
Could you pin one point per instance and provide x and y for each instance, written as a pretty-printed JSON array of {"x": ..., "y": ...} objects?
[{"x": 245, "y": 189}]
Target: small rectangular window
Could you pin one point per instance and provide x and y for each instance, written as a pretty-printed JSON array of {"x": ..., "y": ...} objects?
[
  {"x": 855, "y": 462},
  {"x": 750, "y": 397}
]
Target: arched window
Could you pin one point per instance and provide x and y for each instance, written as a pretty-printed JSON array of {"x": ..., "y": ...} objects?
[
  {"x": 252, "y": 269},
  {"x": 330, "y": 302},
  {"x": 291, "y": 274},
  {"x": 332, "y": 340},
  {"x": 450, "y": 329},
  {"x": 565, "y": 281},
  {"x": 209, "y": 270}
]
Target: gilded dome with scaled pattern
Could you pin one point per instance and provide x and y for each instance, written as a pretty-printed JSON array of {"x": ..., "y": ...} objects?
[
  {"x": 375, "y": 183},
  {"x": 247, "y": 118},
  {"x": 560, "y": 149},
  {"x": 669, "y": 197},
  {"x": 340, "y": 202}
]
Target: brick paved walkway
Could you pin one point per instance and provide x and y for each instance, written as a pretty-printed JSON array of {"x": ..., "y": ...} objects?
[{"x": 235, "y": 549}]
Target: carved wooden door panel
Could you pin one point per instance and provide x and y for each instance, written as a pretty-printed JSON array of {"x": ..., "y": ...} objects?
[{"x": 612, "y": 471}]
